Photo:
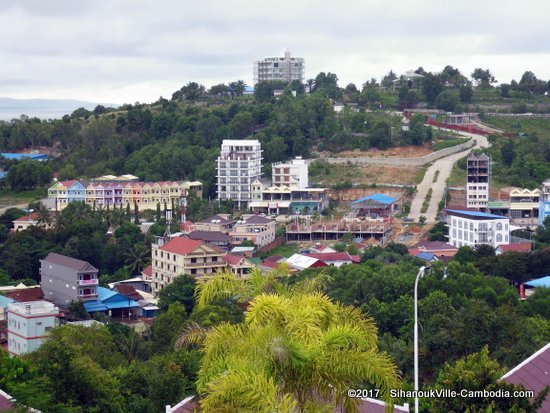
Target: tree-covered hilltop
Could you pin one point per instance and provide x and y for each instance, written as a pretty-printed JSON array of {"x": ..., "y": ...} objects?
[{"x": 179, "y": 138}]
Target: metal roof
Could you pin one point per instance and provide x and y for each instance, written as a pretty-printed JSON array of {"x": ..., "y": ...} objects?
[
  {"x": 540, "y": 282},
  {"x": 383, "y": 199},
  {"x": 474, "y": 214}
]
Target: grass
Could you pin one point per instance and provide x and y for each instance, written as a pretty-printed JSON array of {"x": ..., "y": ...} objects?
[
  {"x": 419, "y": 176},
  {"x": 458, "y": 176},
  {"x": 436, "y": 175},
  {"x": 448, "y": 143},
  {"x": 539, "y": 126},
  {"x": 426, "y": 202},
  {"x": 286, "y": 250},
  {"x": 10, "y": 198}
]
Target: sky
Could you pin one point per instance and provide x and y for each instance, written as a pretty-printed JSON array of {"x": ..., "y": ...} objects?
[{"x": 126, "y": 51}]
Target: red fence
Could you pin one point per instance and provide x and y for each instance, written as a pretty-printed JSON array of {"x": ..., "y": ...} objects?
[{"x": 462, "y": 128}]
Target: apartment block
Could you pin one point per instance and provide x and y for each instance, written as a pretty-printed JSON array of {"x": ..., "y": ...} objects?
[
  {"x": 478, "y": 178},
  {"x": 64, "y": 279},
  {"x": 471, "y": 228},
  {"x": 238, "y": 166},
  {"x": 258, "y": 229},
  {"x": 285, "y": 68},
  {"x": 178, "y": 256},
  {"x": 524, "y": 207},
  {"x": 29, "y": 324},
  {"x": 293, "y": 174}
]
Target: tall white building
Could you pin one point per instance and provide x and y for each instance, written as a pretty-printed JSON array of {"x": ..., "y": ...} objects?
[
  {"x": 239, "y": 165},
  {"x": 472, "y": 228},
  {"x": 293, "y": 174},
  {"x": 29, "y": 324},
  {"x": 477, "y": 185},
  {"x": 285, "y": 68}
]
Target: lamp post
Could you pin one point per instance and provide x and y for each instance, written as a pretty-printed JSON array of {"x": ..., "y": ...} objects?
[{"x": 420, "y": 274}]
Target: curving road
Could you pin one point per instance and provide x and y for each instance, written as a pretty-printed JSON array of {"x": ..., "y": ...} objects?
[{"x": 444, "y": 166}]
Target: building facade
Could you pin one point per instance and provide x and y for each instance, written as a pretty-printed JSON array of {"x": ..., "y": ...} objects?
[
  {"x": 119, "y": 193},
  {"x": 178, "y": 256},
  {"x": 293, "y": 174},
  {"x": 64, "y": 279},
  {"x": 29, "y": 324},
  {"x": 285, "y": 68},
  {"x": 524, "y": 207},
  {"x": 238, "y": 166},
  {"x": 471, "y": 228},
  {"x": 544, "y": 202},
  {"x": 478, "y": 179},
  {"x": 279, "y": 200},
  {"x": 259, "y": 230}
]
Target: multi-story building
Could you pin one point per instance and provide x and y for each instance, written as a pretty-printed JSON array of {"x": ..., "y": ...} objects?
[
  {"x": 524, "y": 207},
  {"x": 284, "y": 200},
  {"x": 544, "y": 202},
  {"x": 291, "y": 174},
  {"x": 30, "y": 220},
  {"x": 239, "y": 165},
  {"x": 259, "y": 230},
  {"x": 117, "y": 193},
  {"x": 29, "y": 324},
  {"x": 478, "y": 179},
  {"x": 64, "y": 279},
  {"x": 177, "y": 256},
  {"x": 285, "y": 68},
  {"x": 215, "y": 223},
  {"x": 471, "y": 228}
]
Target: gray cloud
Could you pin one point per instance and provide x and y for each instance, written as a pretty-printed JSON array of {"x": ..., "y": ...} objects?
[{"x": 130, "y": 51}]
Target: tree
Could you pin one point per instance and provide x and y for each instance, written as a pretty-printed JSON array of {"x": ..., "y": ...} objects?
[
  {"x": 483, "y": 78},
  {"x": 136, "y": 214},
  {"x": 446, "y": 100},
  {"x": 431, "y": 87},
  {"x": 466, "y": 92},
  {"x": 181, "y": 290},
  {"x": 464, "y": 255},
  {"x": 478, "y": 372},
  {"x": 297, "y": 353}
]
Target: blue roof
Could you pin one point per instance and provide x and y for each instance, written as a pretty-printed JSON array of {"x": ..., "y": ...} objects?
[
  {"x": 93, "y": 306},
  {"x": 109, "y": 300},
  {"x": 4, "y": 301},
  {"x": 383, "y": 199},
  {"x": 475, "y": 214},
  {"x": 426, "y": 256},
  {"x": 19, "y": 156},
  {"x": 539, "y": 282},
  {"x": 104, "y": 294}
]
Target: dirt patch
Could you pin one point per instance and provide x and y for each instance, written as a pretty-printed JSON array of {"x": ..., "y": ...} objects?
[
  {"x": 389, "y": 174},
  {"x": 397, "y": 152},
  {"x": 356, "y": 193}
]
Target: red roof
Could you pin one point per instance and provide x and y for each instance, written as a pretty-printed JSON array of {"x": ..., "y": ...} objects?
[
  {"x": 29, "y": 217},
  {"x": 26, "y": 295},
  {"x": 356, "y": 258},
  {"x": 181, "y": 246},
  {"x": 413, "y": 251},
  {"x": 435, "y": 246},
  {"x": 187, "y": 226},
  {"x": 270, "y": 264},
  {"x": 518, "y": 247},
  {"x": 533, "y": 374},
  {"x": 68, "y": 184},
  {"x": 331, "y": 256},
  {"x": 232, "y": 259},
  {"x": 148, "y": 272}
]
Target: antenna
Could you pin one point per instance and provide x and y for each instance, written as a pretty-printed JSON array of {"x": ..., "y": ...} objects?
[{"x": 168, "y": 233}]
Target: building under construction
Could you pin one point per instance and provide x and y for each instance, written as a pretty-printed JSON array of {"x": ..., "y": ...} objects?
[{"x": 334, "y": 230}]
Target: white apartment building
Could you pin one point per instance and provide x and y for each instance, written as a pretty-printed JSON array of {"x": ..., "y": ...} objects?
[
  {"x": 477, "y": 185},
  {"x": 29, "y": 324},
  {"x": 285, "y": 68},
  {"x": 293, "y": 174},
  {"x": 471, "y": 228},
  {"x": 238, "y": 166}
]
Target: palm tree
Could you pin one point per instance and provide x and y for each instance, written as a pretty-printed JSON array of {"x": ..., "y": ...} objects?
[
  {"x": 137, "y": 258},
  {"x": 294, "y": 353}
]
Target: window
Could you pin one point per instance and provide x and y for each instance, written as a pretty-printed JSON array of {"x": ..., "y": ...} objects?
[
  {"x": 499, "y": 237},
  {"x": 499, "y": 226}
]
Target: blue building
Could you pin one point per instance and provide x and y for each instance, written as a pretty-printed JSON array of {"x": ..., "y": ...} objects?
[
  {"x": 544, "y": 205},
  {"x": 375, "y": 205},
  {"x": 112, "y": 303},
  {"x": 76, "y": 192},
  {"x": 21, "y": 156}
]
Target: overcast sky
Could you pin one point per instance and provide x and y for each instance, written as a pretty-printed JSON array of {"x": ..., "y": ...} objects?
[{"x": 123, "y": 51}]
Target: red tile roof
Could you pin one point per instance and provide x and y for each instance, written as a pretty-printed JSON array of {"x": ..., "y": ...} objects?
[
  {"x": 28, "y": 218},
  {"x": 518, "y": 247},
  {"x": 26, "y": 295},
  {"x": 187, "y": 226},
  {"x": 270, "y": 264},
  {"x": 68, "y": 184},
  {"x": 128, "y": 291},
  {"x": 232, "y": 259},
  {"x": 181, "y": 246},
  {"x": 533, "y": 374},
  {"x": 148, "y": 272},
  {"x": 356, "y": 258}
]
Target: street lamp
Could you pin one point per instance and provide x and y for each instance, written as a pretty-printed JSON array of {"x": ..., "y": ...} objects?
[{"x": 420, "y": 274}]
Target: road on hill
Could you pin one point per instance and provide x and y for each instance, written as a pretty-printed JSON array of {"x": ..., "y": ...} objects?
[{"x": 444, "y": 166}]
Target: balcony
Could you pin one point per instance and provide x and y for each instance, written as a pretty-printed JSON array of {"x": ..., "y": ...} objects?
[
  {"x": 93, "y": 281},
  {"x": 88, "y": 296}
]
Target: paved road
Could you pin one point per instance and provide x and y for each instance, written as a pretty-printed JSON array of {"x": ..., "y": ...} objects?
[
  {"x": 20, "y": 206},
  {"x": 444, "y": 166}
]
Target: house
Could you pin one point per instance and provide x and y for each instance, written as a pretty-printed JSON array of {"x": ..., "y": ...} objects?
[
  {"x": 217, "y": 238},
  {"x": 517, "y": 247},
  {"x": 333, "y": 258},
  {"x": 530, "y": 286},
  {"x": 238, "y": 264},
  {"x": 290, "y": 200},
  {"x": 427, "y": 256},
  {"x": 534, "y": 374},
  {"x": 258, "y": 229},
  {"x": 179, "y": 255},
  {"x": 64, "y": 279},
  {"x": 215, "y": 223},
  {"x": 524, "y": 207},
  {"x": 291, "y": 174},
  {"x": 29, "y": 324},
  {"x": 32, "y": 219},
  {"x": 113, "y": 304},
  {"x": 472, "y": 228},
  {"x": 376, "y": 205},
  {"x": 321, "y": 248},
  {"x": 147, "y": 273},
  {"x": 244, "y": 251},
  {"x": 438, "y": 248},
  {"x": 20, "y": 295},
  {"x": 4, "y": 302},
  {"x": 301, "y": 262}
]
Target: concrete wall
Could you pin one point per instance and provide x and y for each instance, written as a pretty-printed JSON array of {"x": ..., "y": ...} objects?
[{"x": 59, "y": 284}]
